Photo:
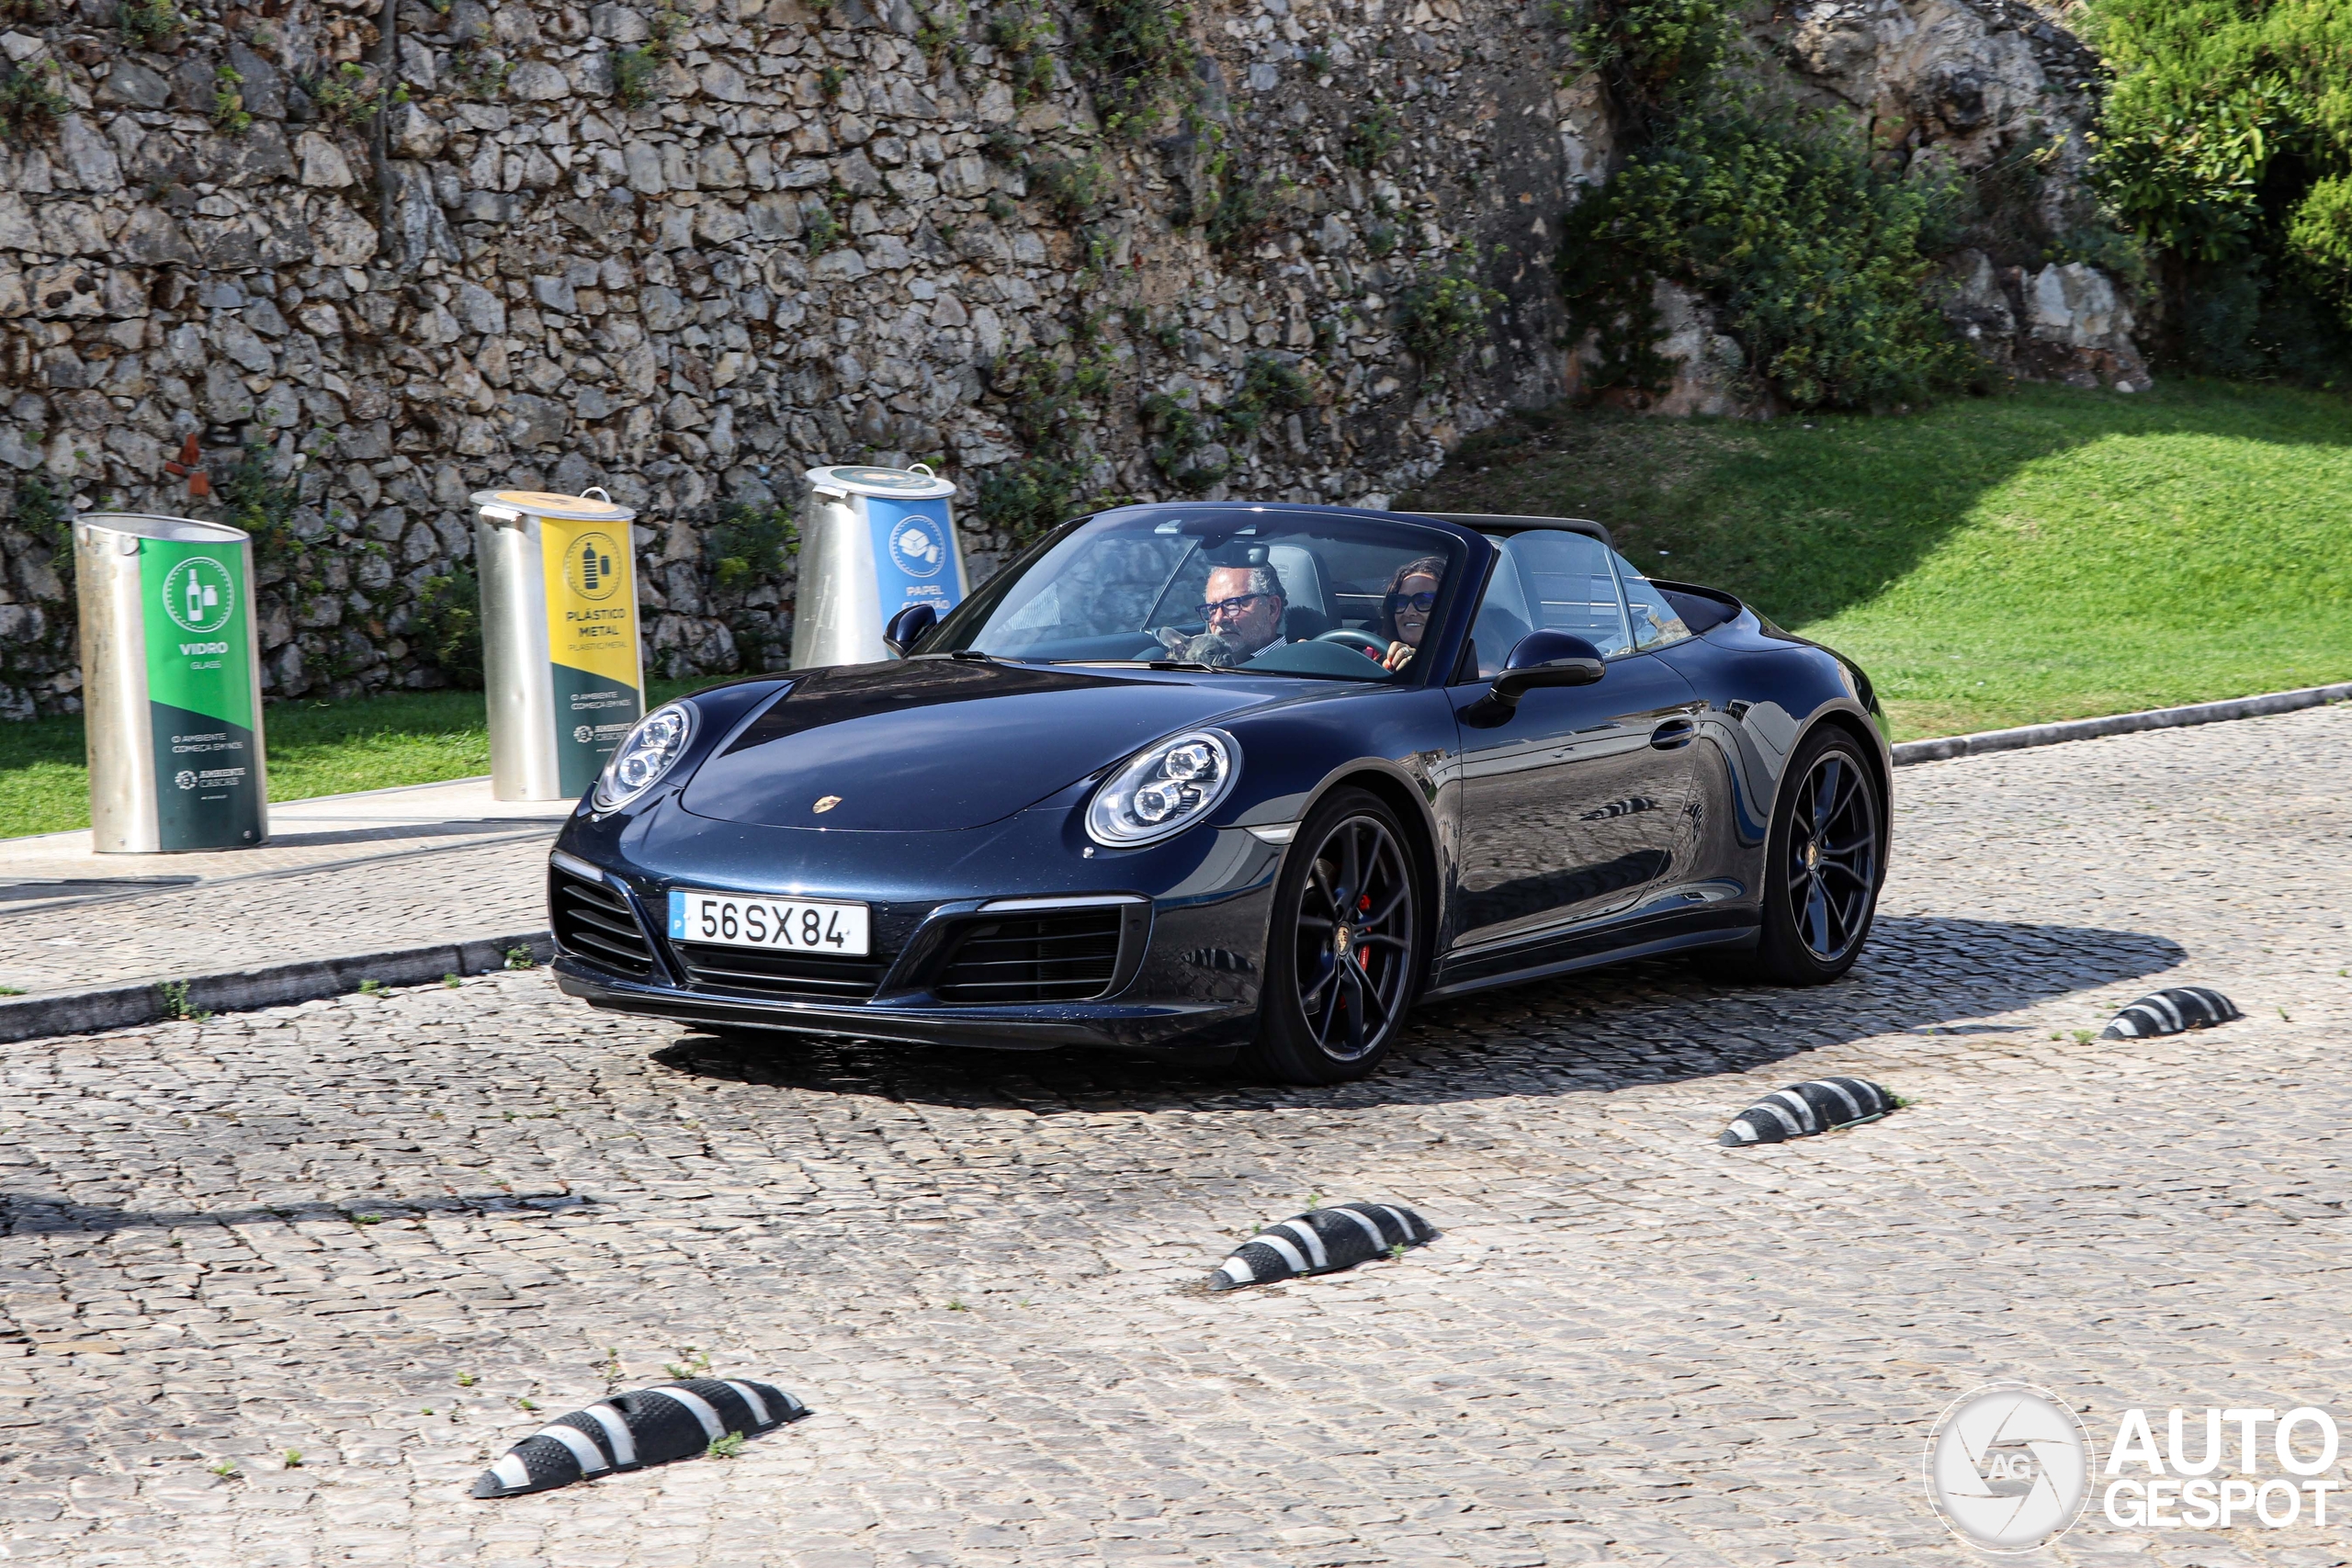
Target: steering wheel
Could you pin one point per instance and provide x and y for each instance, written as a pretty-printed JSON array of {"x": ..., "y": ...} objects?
[{"x": 1363, "y": 642}]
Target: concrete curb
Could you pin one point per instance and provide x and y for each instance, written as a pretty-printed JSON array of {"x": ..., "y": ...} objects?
[
  {"x": 126, "y": 1005},
  {"x": 2027, "y": 735}
]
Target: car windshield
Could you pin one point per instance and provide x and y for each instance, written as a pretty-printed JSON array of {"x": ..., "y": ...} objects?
[{"x": 1264, "y": 589}]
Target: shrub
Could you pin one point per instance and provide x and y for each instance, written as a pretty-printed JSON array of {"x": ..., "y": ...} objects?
[
  {"x": 29, "y": 107},
  {"x": 1373, "y": 138},
  {"x": 1268, "y": 387},
  {"x": 252, "y": 497},
  {"x": 1137, "y": 50},
  {"x": 347, "y": 96},
  {"x": 1021, "y": 33},
  {"x": 445, "y": 625},
  {"x": 1654, "y": 56},
  {"x": 1178, "y": 431},
  {"x": 1071, "y": 186},
  {"x": 1440, "y": 313},
  {"x": 1030, "y": 495},
  {"x": 751, "y": 547},
  {"x": 41, "y": 510},
  {"x": 1812, "y": 253},
  {"x": 229, "y": 116},
  {"x": 2225, "y": 142},
  {"x": 751, "y": 550},
  {"x": 635, "y": 70},
  {"x": 148, "y": 24}
]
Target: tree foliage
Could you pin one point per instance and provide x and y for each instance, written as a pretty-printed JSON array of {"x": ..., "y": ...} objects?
[
  {"x": 1812, "y": 257},
  {"x": 2226, "y": 143}
]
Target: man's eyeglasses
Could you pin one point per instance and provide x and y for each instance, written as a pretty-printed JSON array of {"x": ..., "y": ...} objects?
[
  {"x": 1232, "y": 607},
  {"x": 1424, "y": 602}
]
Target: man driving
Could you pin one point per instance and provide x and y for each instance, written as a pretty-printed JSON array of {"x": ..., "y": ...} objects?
[{"x": 1244, "y": 608}]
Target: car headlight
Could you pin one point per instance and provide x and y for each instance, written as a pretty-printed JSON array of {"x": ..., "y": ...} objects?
[
  {"x": 1164, "y": 789},
  {"x": 650, "y": 749}
]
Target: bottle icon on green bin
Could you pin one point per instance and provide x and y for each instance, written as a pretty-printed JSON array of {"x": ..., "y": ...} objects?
[{"x": 198, "y": 595}]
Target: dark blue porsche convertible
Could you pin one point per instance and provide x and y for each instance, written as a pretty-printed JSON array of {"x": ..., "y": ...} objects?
[{"x": 1216, "y": 779}]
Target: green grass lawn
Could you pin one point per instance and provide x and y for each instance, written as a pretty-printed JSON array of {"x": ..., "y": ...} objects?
[
  {"x": 2053, "y": 554},
  {"x": 315, "y": 747}
]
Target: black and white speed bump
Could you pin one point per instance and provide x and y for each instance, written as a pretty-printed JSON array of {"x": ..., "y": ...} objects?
[
  {"x": 1819, "y": 1105},
  {"x": 1321, "y": 1241},
  {"x": 630, "y": 1431},
  {"x": 2170, "y": 1011}
]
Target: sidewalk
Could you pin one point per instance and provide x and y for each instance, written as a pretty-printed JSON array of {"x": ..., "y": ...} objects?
[{"x": 411, "y": 878}]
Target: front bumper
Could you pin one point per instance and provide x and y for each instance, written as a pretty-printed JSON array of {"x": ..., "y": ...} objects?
[
  {"x": 1192, "y": 917},
  {"x": 1108, "y": 1024}
]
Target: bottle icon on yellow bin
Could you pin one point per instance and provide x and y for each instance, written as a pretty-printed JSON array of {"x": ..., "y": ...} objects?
[{"x": 592, "y": 566}]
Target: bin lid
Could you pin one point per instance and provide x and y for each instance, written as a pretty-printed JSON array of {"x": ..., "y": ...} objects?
[
  {"x": 180, "y": 530},
  {"x": 540, "y": 503},
  {"x": 898, "y": 484}
]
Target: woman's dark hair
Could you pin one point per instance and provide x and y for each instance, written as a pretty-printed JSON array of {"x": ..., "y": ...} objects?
[{"x": 1430, "y": 567}]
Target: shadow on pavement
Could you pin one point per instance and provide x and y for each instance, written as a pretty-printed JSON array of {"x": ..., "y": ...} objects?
[
  {"x": 1655, "y": 1021},
  {"x": 24, "y": 1213}
]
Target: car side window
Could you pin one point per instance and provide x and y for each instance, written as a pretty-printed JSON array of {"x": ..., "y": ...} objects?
[
  {"x": 1655, "y": 621},
  {"x": 1550, "y": 578}
]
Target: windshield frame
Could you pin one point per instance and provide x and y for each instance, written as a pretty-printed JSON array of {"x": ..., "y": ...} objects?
[{"x": 1435, "y": 657}]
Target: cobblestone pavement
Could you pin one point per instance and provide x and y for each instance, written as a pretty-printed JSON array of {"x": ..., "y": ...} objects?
[
  {"x": 339, "y": 876},
  {"x": 370, "y": 1229}
]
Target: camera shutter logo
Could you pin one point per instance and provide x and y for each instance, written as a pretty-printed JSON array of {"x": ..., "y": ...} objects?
[
  {"x": 590, "y": 567},
  {"x": 2008, "y": 1468},
  {"x": 919, "y": 546},
  {"x": 199, "y": 595}
]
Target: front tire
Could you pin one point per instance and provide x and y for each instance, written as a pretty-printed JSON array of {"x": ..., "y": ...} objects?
[
  {"x": 1342, "y": 950},
  {"x": 1825, "y": 860}
]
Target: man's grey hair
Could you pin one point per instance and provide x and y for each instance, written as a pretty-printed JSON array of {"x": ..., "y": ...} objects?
[{"x": 1266, "y": 580}]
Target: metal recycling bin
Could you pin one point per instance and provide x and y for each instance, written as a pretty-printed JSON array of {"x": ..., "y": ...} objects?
[
  {"x": 560, "y": 659},
  {"x": 877, "y": 541},
  {"x": 171, "y": 684}
]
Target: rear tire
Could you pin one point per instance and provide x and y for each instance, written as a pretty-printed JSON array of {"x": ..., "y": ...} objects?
[
  {"x": 1342, "y": 949},
  {"x": 1825, "y": 861}
]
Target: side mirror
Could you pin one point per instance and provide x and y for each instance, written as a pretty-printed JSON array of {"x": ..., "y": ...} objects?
[
  {"x": 908, "y": 627},
  {"x": 1545, "y": 658}
]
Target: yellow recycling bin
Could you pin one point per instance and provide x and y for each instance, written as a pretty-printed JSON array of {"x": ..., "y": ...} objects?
[{"x": 561, "y": 661}]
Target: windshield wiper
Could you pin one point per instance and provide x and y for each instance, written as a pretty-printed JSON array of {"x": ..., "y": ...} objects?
[{"x": 1159, "y": 664}]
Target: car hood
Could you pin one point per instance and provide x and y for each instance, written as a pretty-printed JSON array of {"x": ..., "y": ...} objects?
[{"x": 933, "y": 745}]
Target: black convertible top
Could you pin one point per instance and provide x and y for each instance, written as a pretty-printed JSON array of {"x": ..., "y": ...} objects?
[{"x": 1496, "y": 523}]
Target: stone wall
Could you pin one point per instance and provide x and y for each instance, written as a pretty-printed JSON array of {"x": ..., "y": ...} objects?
[
  {"x": 824, "y": 235},
  {"x": 686, "y": 252}
]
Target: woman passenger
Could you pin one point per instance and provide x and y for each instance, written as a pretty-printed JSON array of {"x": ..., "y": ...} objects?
[{"x": 1405, "y": 608}]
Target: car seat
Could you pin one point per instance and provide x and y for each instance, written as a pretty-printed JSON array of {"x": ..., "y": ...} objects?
[{"x": 1302, "y": 584}]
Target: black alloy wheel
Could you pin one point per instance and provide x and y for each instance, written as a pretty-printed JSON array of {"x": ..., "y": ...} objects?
[
  {"x": 1832, "y": 857},
  {"x": 1826, "y": 858},
  {"x": 1343, "y": 950}
]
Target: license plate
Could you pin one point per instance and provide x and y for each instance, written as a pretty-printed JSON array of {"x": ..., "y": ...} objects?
[{"x": 786, "y": 925}]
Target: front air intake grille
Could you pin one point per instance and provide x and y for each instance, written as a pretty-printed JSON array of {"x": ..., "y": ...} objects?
[
  {"x": 796, "y": 976},
  {"x": 1050, "y": 957},
  {"x": 594, "y": 921}
]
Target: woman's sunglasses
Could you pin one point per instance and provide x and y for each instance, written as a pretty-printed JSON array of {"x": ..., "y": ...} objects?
[{"x": 1424, "y": 602}]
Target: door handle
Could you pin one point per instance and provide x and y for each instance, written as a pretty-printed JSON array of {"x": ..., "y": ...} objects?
[{"x": 1673, "y": 733}]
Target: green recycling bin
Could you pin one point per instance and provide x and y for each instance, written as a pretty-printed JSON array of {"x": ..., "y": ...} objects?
[{"x": 171, "y": 684}]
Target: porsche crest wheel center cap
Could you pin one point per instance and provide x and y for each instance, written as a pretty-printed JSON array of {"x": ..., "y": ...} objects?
[
  {"x": 1339, "y": 941},
  {"x": 1812, "y": 857}
]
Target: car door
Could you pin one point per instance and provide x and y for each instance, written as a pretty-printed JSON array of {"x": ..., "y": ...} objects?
[{"x": 1574, "y": 804}]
